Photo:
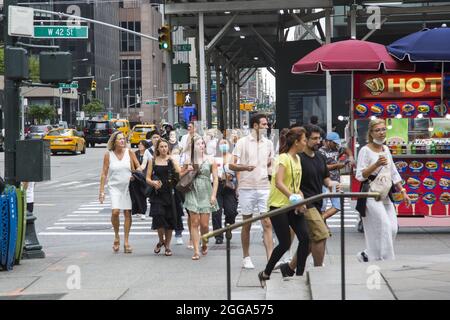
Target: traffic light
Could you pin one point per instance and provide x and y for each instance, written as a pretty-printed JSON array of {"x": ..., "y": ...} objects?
[
  {"x": 165, "y": 42},
  {"x": 93, "y": 85}
]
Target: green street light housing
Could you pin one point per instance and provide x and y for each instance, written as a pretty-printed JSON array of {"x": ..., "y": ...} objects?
[{"x": 164, "y": 38}]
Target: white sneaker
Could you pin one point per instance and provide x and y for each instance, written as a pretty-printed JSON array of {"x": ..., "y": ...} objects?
[
  {"x": 179, "y": 240},
  {"x": 247, "y": 263},
  {"x": 143, "y": 217},
  {"x": 137, "y": 215}
]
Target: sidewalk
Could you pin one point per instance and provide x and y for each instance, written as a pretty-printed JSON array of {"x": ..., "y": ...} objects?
[{"x": 407, "y": 277}]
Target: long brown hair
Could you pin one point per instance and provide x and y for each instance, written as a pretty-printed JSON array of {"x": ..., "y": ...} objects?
[
  {"x": 157, "y": 153},
  {"x": 287, "y": 139}
]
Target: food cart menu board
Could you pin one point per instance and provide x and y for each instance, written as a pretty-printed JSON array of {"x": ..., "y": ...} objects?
[
  {"x": 422, "y": 157},
  {"x": 427, "y": 182}
]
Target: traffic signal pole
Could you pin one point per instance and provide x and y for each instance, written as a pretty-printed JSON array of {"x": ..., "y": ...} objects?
[{"x": 11, "y": 108}]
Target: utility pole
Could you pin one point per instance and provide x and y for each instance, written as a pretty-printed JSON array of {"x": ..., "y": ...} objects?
[{"x": 11, "y": 108}]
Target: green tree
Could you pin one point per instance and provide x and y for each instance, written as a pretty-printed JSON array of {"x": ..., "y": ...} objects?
[
  {"x": 2, "y": 61},
  {"x": 33, "y": 66},
  {"x": 93, "y": 107},
  {"x": 41, "y": 113}
]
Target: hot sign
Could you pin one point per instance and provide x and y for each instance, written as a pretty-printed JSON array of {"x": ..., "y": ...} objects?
[{"x": 388, "y": 86}]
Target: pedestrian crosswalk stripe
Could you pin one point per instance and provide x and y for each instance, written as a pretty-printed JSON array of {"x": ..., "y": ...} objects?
[
  {"x": 97, "y": 211},
  {"x": 109, "y": 233},
  {"x": 68, "y": 183},
  {"x": 85, "y": 185}
]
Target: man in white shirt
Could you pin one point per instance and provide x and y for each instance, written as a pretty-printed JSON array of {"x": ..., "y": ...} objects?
[
  {"x": 253, "y": 156},
  {"x": 185, "y": 140}
]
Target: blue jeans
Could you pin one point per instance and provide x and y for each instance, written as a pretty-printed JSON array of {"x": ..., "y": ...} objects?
[{"x": 335, "y": 202}]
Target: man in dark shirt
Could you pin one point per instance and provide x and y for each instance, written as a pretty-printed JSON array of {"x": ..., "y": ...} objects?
[{"x": 315, "y": 174}]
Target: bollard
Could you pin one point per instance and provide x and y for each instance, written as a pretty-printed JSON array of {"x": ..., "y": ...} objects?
[{"x": 33, "y": 249}]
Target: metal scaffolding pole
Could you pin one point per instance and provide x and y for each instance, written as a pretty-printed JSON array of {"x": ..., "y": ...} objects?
[
  {"x": 208, "y": 92},
  {"x": 202, "y": 71}
]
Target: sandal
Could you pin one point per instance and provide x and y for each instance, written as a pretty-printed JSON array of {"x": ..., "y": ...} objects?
[
  {"x": 196, "y": 257},
  {"x": 204, "y": 249},
  {"x": 127, "y": 249},
  {"x": 168, "y": 252},
  {"x": 116, "y": 246},
  {"x": 158, "y": 247},
  {"x": 262, "y": 279}
]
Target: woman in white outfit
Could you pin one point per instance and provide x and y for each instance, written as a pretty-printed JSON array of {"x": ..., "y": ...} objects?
[
  {"x": 380, "y": 220},
  {"x": 118, "y": 164}
]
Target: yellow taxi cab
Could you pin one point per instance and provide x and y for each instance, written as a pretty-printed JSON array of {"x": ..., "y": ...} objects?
[
  {"x": 139, "y": 133},
  {"x": 122, "y": 125},
  {"x": 66, "y": 140}
]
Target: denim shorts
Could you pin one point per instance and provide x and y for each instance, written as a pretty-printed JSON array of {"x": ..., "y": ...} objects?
[{"x": 335, "y": 202}]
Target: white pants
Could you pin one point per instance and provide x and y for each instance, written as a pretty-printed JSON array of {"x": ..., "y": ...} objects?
[{"x": 380, "y": 229}]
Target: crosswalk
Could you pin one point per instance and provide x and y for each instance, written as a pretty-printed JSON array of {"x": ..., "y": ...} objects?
[
  {"x": 72, "y": 185},
  {"x": 94, "y": 219}
]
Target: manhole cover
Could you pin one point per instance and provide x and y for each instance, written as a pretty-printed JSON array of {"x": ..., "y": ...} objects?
[{"x": 88, "y": 228}]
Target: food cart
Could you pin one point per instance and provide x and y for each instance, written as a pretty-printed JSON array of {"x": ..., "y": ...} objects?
[{"x": 418, "y": 134}]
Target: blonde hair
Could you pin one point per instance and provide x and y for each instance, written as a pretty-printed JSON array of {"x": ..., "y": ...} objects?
[
  {"x": 112, "y": 141},
  {"x": 372, "y": 124}
]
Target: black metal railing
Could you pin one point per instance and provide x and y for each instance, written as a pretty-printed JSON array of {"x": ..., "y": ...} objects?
[{"x": 227, "y": 230}]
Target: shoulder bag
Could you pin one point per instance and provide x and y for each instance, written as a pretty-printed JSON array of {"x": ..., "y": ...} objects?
[
  {"x": 382, "y": 182},
  {"x": 186, "y": 182}
]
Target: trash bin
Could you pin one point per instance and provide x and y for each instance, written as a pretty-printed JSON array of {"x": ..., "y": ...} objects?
[{"x": 8, "y": 229}]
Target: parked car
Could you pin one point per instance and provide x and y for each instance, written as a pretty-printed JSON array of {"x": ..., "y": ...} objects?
[
  {"x": 66, "y": 140},
  {"x": 97, "y": 131},
  {"x": 38, "y": 131}
]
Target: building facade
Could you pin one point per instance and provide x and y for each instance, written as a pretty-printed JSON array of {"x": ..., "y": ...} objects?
[{"x": 142, "y": 61}]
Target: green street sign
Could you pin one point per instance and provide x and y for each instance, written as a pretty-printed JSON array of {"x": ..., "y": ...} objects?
[
  {"x": 151, "y": 102},
  {"x": 73, "y": 85},
  {"x": 52, "y": 32},
  {"x": 182, "y": 47}
]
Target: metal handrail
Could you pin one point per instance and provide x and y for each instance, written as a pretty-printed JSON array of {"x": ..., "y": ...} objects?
[{"x": 227, "y": 230}]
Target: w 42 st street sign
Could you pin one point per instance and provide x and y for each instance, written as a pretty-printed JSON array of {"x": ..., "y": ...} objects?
[{"x": 53, "y": 32}]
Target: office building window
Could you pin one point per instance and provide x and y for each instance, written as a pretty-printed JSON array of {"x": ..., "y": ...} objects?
[
  {"x": 130, "y": 42},
  {"x": 132, "y": 87}
]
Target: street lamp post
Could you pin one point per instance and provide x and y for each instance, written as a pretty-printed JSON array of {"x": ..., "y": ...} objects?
[
  {"x": 111, "y": 80},
  {"x": 109, "y": 89}
]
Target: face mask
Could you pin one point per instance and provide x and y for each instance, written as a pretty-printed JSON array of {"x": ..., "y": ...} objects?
[
  {"x": 379, "y": 142},
  {"x": 224, "y": 148}
]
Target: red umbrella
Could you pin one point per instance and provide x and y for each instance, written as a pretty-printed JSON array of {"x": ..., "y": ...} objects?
[{"x": 350, "y": 55}]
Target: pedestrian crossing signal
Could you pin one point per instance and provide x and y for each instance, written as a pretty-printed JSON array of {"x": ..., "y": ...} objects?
[
  {"x": 164, "y": 38},
  {"x": 93, "y": 85}
]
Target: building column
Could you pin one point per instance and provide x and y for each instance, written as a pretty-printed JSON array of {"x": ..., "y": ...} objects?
[
  {"x": 219, "y": 99},
  {"x": 225, "y": 99},
  {"x": 230, "y": 98}
]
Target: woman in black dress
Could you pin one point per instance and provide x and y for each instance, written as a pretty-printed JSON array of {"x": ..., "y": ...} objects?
[{"x": 162, "y": 175}]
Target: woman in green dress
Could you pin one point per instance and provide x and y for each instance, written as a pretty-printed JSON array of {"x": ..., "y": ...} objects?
[{"x": 201, "y": 200}]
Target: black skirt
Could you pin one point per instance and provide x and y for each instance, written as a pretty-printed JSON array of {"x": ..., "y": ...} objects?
[{"x": 163, "y": 216}]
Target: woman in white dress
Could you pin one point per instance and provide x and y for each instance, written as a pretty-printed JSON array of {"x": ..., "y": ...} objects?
[
  {"x": 380, "y": 220},
  {"x": 118, "y": 164}
]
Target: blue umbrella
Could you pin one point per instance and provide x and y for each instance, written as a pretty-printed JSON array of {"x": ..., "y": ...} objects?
[{"x": 428, "y": 45}]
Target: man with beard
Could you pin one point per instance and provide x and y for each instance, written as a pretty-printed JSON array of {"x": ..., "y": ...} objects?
[{"x": 315, "y": 175}]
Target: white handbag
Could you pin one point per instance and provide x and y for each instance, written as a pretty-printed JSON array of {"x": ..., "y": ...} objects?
[{"x": 382, "y": 183}]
